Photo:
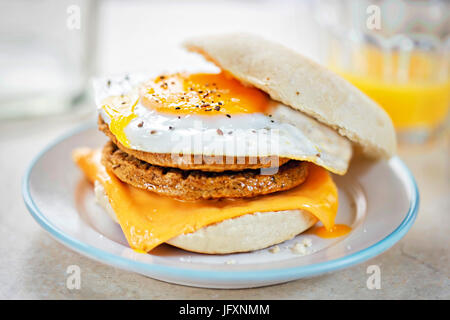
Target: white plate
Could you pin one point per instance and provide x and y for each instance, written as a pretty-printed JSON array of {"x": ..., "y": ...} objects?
[{"x": 378, "y": 200}]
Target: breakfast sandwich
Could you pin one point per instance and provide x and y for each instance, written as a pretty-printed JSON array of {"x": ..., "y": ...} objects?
[{"x": 232, "y": 161}]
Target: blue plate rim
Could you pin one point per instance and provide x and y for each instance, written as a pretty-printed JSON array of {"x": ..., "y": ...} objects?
[{"x": 280, "y": 274}]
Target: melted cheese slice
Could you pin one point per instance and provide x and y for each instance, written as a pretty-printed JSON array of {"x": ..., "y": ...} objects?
[{"x": 148, "y": 219}]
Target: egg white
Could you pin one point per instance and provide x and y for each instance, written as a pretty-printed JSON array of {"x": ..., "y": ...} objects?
[{"x": 285, "y": 133}]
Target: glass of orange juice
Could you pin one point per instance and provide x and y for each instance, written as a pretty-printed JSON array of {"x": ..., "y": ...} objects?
[{"x": 397, "y": 52}]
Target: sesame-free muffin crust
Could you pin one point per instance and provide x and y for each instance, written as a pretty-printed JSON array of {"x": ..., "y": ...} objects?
[
  {"x": 196, "y": 184},
  {"x": 188, "y": 163}
]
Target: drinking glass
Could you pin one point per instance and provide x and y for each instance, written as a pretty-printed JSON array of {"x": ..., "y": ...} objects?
[
  {"x": 397, "y": 52},
  {"x": 46, "y": 50}
]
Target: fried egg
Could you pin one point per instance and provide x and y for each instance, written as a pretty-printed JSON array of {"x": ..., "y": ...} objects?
[{"x": 213, "y": 114}]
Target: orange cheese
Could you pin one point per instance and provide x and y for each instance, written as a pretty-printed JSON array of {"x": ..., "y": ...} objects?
[{"x": 148, "y": 219}]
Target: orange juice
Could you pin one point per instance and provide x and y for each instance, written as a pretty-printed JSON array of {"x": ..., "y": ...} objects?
[
  {"x": 409, "y": 105},
  {"x": 413, "y": 87}
]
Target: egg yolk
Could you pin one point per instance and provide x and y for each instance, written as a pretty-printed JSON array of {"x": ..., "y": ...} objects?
[
  {"x": 120, "y": 110},
  {"x": 202, "y": 93}
]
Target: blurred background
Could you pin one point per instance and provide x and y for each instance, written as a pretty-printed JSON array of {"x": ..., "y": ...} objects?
[{"x": 396, "y": 51}]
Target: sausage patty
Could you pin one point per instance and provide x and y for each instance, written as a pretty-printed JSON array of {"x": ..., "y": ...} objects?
[{"x": 196, "y": 184}]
